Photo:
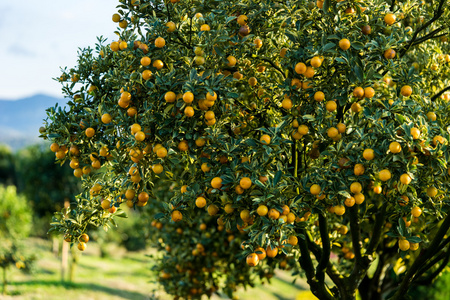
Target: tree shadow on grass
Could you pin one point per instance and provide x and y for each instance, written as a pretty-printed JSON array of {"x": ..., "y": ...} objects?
[{"x": 84, "y": 286}]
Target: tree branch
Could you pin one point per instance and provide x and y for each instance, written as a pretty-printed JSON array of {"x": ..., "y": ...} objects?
[
  {"x": 434, "y": 246},
  {"x": 429, "y": 36},
  {"x": 380, "y": 217},
  {"x": 326, "y": 249},
  {"x": 317, "y": 288},
  {"x": 440, "y": 93},
  {"x": 430, "y": 264},
  {"x": 436, "y": 16},
  {"x": 429, "y": 279},
  {"x": 274, "y": 66},
  {"x": 355, "y": 232}
]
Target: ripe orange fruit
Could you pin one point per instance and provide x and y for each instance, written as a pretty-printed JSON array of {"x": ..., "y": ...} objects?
[
  {"x": 116, "y": 18},
  {"x": 205, "y": 27},
  {"x": 369, "y": 92},
  {"x": 81, "y": 246},
  {"x": 231, "y": 61},
  {"x": 216, "y": 183},
  {"x": 188, "y": 97},
  {"x": 200, "y": 202},
  {"x": 242, "y": 20},
  {"x": 359, "y": 198},
  {"x": 384, "y": 175},
  {"x": 405, "y": 179},
  {"x": 358, "y": 92},
  {"x": 271, "y": 252},
  {"x": 377, "y": 189},
  {"x": 265, "y": 139},
  {"x": 395, "y": 147},
  {"x": 355, "y": 187},
  {"x": 406, "y": 91},
  {"x": 358, "y": 169},
  {"x": 368, "y": 154},
  {"x": 252, "y": 260},
  {"x": 356, "y": 107},
  {"x": 389, "y": 19},
  {"x": 157, "y": 168},
  {"x": 316, "y": 62},
  {"x": 293, "y": 240},
  {"x": 123, "y": 24},
  {"x": 349, "y": 202},
  {"x": 274, "y": 214},
  {"x": 139, "y": 136},
  {"x": 344, "y": 44},
  {"x": 300, "y": 68},
  {"x": 176, "y": 216},
  {"x": 331, "y": 106},
  {"x": 403, "y": 244},
  {"x": 90, "y": 132},
  {"x": 389, "y": 53},
  {"x": 432, "y": 191},
  {"x": 146, "y": 74},
  {"x": 319, "y": 96},
  {"x": 341, "y": 127},
  {"x": 158, "y": 64},
  {"x": 431, "y": 116},
  {"x": 84, "y": 238},
  {"x": 339, "y": 210},
  {"x": 228, "y": 208},
  {"x": 262, "y": 210},
  {"x": 303, "y": 129},
  {"x": 245, "y": 183},
  {"x": 332, "y": 132},
  {"x": 415, "y": 133},
  {"x": 114, "y": 46},
  {"x": 245, "y": 215},
  {"x": 416, "y": 211},
  {"x": 315, "y": 189},
  {"x": 261, "y": 254},
  {"x": 123, "y": 45},
  {"x": 171, "y": 27},
  {"x": 286, "y": 103},
  {"x": 54, "y": 147},
  {"x": 160, "y": 42},
  {"x": 309, "y": 73},
  {"x": 170, "y": 97},
  {"x": 189, "y": 111},
  {"x": 106, "y": 118},
  {"x": 212, "y": 210}
]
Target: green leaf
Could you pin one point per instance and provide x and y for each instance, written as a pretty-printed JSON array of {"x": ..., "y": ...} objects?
[
  {"x": 345, "y": 194},
  {"x": 159, "y": 216},
  {"x": 328, "y": 46},
  {"x": 277, "y": 177}
]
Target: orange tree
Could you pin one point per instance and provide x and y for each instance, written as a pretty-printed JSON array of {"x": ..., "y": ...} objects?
[{"x": 317, "y": 128}]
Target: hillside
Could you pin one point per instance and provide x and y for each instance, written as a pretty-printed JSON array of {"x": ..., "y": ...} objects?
[{"x": 20, "y": 119}]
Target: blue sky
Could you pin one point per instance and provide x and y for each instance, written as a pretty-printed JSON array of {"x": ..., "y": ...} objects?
[{"x": 40, "y": 36}]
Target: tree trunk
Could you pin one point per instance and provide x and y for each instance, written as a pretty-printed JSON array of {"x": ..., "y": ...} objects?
[
  {"x": 64, "y": 259},
  {"x": 5, "y": 282},
  {"x": 73, "y": 264}
]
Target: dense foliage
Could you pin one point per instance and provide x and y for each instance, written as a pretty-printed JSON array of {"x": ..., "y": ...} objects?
[{"x": 313, "y": 128}]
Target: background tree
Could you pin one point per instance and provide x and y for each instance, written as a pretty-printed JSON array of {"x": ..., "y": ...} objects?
[
  {"x": 7, "y": 170},
  {"x": 315, "y": 128},
  {"x": 15, "y": 224}
]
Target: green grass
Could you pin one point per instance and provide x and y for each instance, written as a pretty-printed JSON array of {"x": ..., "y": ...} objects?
[{"x": 122, "y": 275}]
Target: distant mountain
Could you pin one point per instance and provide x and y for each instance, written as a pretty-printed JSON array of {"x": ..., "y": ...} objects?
[{"x": 20, "y": 119}]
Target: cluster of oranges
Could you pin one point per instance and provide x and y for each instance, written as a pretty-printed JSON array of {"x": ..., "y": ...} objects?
[{"x": 328, "y": 123}]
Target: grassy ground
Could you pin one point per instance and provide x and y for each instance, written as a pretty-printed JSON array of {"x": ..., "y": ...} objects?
[{"x": 122, "y": 275}]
